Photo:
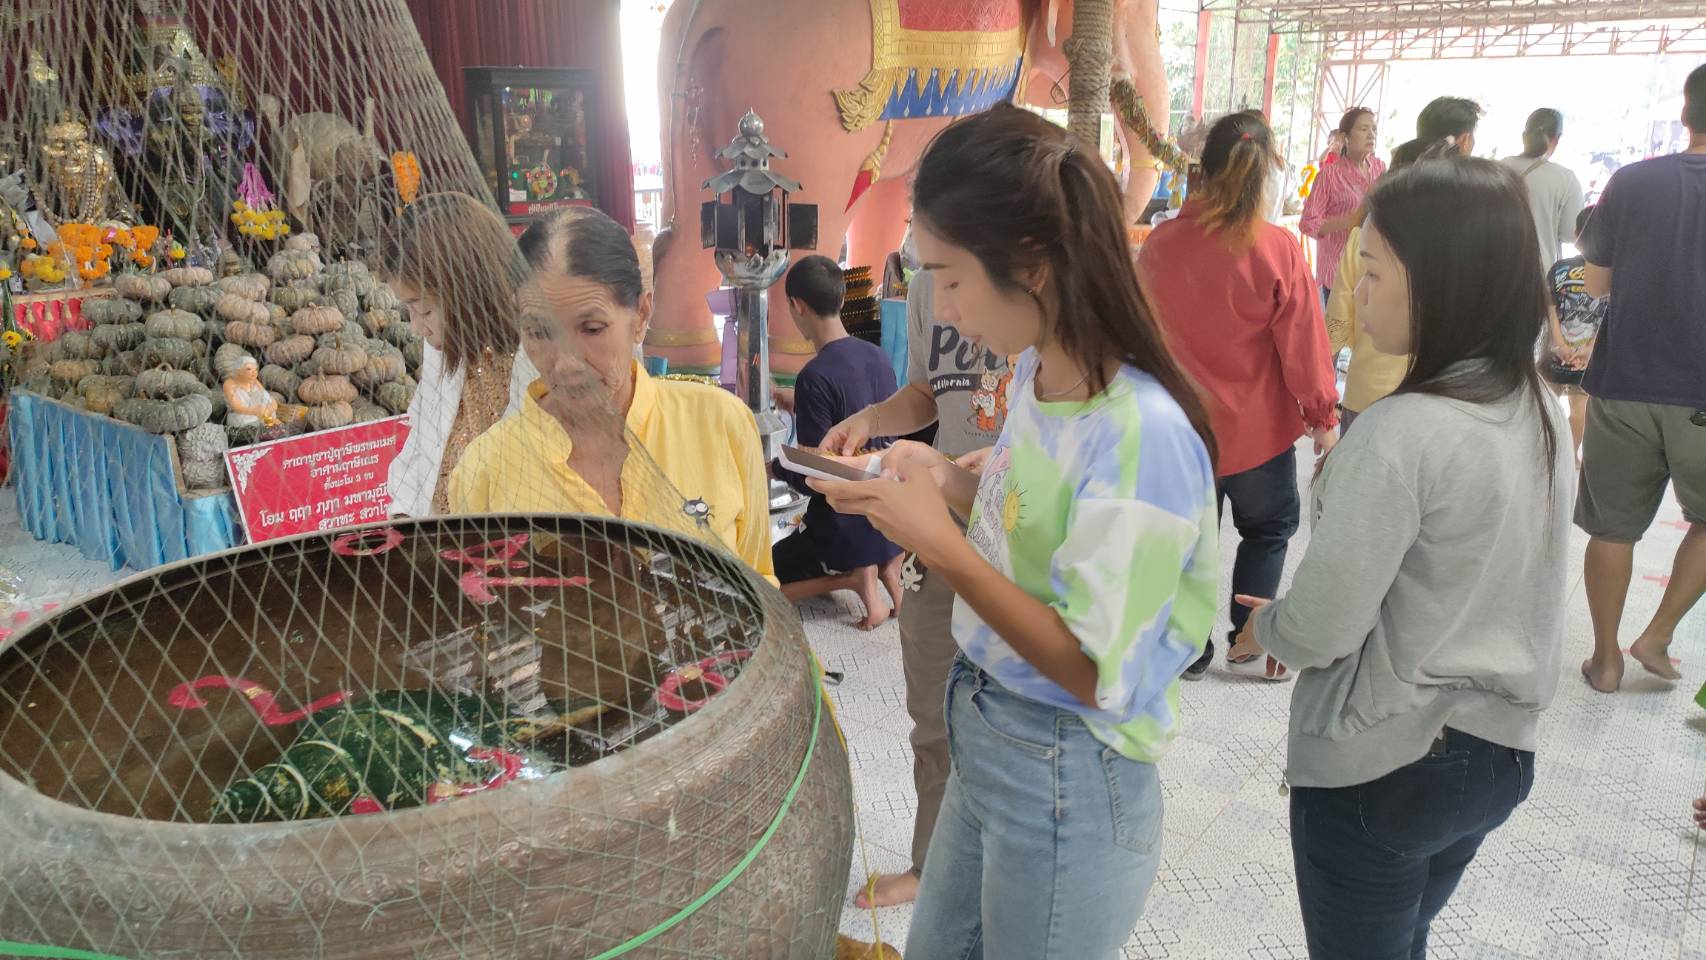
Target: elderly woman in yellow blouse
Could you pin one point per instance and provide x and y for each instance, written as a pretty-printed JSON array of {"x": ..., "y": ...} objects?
[{"x": 583, "y": 314}]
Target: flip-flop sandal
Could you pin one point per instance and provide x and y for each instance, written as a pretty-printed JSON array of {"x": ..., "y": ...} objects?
[{"x": 1260, "y": 666}]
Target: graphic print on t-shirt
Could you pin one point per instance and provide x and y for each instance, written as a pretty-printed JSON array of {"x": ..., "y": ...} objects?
[
  {"x": 959, "y": 367},
  {"x": 994, "y": 518},
  {"x": 1579, "y": 315}
]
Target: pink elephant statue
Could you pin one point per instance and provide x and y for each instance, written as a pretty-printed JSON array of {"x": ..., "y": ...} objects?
[{"x": 853, "y": 90}]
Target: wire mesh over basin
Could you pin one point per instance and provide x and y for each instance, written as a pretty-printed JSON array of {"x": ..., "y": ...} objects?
[{"x": 468, "y": 737}]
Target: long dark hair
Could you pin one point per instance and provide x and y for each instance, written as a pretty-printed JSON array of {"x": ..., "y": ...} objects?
[
  {"x": 1237, "y": 160},
  {"x": 1544, "y": 126},
  {"x": 1462, "y": 229},
  {"x": 1017, "y": 191},
  {"x": 458, "y": 251}
]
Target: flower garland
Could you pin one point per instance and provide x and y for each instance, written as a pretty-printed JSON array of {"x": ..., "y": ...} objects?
[
  {"x": 88, "y": 251},
  {"x": 256, "y": 214},
  {"x": 406, "y": 170}
]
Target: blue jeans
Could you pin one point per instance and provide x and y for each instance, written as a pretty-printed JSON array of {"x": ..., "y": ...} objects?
[
  {"x": 1265, "y": 509},
  {"x": 1378, "y": 861},
  {"x": 1048, "y": 839}
]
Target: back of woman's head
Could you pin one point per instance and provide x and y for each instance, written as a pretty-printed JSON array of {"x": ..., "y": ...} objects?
[
  {"x": 1544, "y": 126},
  {"x": 1018, "y": 192},
  {"x": 1462, "y": 230},
  {"x": 1237, "y": 160},
  {"x": 583, "y": 242},
  {"x": 457, "y": 251},
  {"x": 1411, "y": 151}
]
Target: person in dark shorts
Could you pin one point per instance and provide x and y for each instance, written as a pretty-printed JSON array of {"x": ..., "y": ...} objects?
[
  {"x": 833, "y": 551},
  {"x": 1574, "y": 326},
  {"x": 1646, "y": 246}
]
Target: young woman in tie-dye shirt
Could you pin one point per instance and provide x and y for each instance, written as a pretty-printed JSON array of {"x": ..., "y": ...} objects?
[{"x": 1086, "y": 577}]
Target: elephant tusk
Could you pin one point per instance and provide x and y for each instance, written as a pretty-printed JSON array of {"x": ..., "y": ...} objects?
[{"x": 1053, "y": 19}]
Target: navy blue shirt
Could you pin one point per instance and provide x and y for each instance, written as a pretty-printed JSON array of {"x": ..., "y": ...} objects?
[
  {"x": 845, "y": 377},
  {"x": 1650, "y": 229}
]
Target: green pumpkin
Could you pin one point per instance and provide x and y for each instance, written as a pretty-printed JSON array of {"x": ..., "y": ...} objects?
[
  {"x": 175, "y": 323},
  {"x": 118, "y": 337},
  {"x": 170, "y": 352},
  {"x": 279, "y": 380},
  {"x": 329, "y": 416},
  {"x": 394, "y": 397},
  {"x": 77, "y": 345},
  {"x": 196, "y": 300},
  {"x": 382, "y": 297},
  {"x": 164, "y": 384},
  {"x": 111, "y": 310},
  {"x": 295, "y": 297}
]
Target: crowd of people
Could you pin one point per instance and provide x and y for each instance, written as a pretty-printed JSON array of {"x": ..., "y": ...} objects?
[{"x": 1053, "y": 551}]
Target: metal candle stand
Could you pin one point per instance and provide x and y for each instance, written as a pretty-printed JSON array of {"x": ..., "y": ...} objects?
[{"x": 752, "y": 227}]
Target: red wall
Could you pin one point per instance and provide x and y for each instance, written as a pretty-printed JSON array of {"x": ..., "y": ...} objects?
[{"x": 583, "y": 34}]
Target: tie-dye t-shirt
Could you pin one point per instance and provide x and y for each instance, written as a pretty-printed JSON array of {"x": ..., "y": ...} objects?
[{"x": 1104, "y": 510}]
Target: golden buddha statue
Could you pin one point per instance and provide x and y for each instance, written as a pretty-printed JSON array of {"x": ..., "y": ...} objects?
[{"x": 81, "y": 184}]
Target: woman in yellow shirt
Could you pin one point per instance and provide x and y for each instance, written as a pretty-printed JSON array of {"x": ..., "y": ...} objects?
[
  {"x": 1372, "y": 374},
  {"x": 595, "y": 433}
]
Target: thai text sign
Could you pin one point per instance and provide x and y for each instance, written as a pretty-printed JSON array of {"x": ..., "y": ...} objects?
[{"x": 321, "y": 481}]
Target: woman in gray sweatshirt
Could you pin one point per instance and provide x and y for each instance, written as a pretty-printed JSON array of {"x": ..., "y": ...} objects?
[{"x": 1427, "y": 617}]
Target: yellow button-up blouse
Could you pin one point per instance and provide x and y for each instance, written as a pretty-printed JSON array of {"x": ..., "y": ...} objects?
[{"x": 701, "y": 437}]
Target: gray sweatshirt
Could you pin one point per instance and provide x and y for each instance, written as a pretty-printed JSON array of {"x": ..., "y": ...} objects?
[{"x": 1432, "y": 593}]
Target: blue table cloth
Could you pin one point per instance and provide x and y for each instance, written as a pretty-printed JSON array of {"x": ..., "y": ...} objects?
[
  {"x": 108, "y": 489},
  {"x": 893, "y": 313}
]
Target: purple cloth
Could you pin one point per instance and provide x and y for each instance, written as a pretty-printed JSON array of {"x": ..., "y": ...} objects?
[
  {"x": 845, "y": 377},
  {"x": 1650, "y": 229}
]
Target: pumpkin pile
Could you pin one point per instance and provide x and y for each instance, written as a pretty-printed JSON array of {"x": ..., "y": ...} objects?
[{"x": 330, "y": 340}]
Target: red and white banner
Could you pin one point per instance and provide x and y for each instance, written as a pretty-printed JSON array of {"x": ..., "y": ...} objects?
[{"x": 321, "y": 481}]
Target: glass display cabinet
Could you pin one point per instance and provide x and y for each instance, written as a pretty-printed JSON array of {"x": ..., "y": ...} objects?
[{"x": 534, "y": 133}]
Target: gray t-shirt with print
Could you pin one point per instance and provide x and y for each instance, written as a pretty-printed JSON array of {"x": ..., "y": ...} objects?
[{"x": 968, "y": 382}]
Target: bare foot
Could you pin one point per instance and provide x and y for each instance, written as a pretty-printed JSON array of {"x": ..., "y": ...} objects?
[
  {"x": 870, "y": 594},
  {"x": 1604, "y": 679},
  {"x": 889, "y": 574},
  {"x": 1654, "y": 655},
  {"x": 891, "y": 890}
]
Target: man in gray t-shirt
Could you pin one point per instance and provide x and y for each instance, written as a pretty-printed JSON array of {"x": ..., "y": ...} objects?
[
  {"x": 1554, "y": 198},
  {"x": 963, "y": 390},
  {"x": 968, "y": 384}
]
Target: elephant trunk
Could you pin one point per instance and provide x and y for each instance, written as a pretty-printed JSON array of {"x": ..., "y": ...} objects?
[{"x": 1090, "y": 55}]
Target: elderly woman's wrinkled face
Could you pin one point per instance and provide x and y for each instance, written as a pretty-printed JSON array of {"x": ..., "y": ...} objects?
[{"x": 582, "y": 340}]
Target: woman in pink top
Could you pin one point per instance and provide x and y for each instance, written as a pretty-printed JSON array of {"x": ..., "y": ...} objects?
[
  {"x": 1243, "y": 317},
  {"x": 1332, "y": 208}
]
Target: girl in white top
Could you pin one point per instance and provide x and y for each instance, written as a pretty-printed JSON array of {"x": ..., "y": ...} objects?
[{"x": 472, "y": 372}]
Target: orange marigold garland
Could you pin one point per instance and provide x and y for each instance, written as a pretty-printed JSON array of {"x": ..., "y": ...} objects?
[{"x": 406, "y": 170}]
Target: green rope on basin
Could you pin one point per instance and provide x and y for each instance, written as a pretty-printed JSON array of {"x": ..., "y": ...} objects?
[
  {"x": 757, "y": 848},
  {"x": 10, "y": 949}
]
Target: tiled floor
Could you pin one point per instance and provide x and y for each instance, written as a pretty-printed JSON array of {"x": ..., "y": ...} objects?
[{"x": 1598, "y": 865}]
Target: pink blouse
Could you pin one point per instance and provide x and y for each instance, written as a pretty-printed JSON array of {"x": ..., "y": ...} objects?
[{"x": 1338, "y": 190}]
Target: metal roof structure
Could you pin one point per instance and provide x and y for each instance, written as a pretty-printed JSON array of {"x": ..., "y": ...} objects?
[{"x": 1464, "y": 29}]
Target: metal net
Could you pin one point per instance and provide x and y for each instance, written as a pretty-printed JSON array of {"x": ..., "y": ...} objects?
[{"x": 521, "y": 730}]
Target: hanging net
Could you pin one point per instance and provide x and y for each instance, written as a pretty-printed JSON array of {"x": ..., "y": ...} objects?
[{"x": 525, "y": 729}]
